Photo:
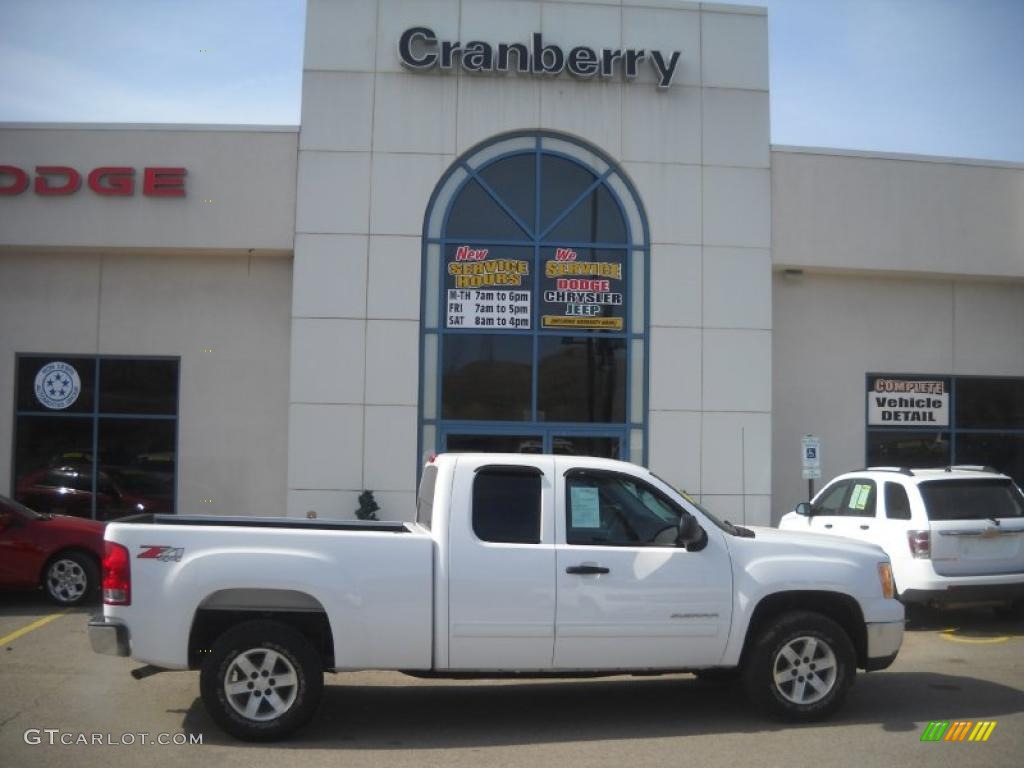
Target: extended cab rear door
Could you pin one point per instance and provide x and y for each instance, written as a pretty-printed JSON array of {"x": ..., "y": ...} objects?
[
  {"x": 501, "y": 588},
  {"x": 628, "y": 596}
]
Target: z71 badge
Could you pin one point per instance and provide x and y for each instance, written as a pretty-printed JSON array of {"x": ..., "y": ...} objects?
[{"x": 167, "y": 554}]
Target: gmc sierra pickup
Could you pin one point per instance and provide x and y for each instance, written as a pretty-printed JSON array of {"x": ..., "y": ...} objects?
[{"x": 516, "y": 564}]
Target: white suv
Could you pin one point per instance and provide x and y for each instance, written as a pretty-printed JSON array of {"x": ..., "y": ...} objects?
[{"x": 954, "y": 535}]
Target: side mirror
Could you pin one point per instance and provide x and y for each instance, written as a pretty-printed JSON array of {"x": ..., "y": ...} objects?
[
  {"x": 803, "y": 508},
  {"x": 691, "y": 535}
]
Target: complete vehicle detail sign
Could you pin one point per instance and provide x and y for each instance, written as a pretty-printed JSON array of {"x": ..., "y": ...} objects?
[
  {"x": 907, "y": 402},
  {"x": 419, "y": 49}
]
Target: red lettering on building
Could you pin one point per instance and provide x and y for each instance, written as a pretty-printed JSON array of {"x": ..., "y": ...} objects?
[
  {"x": 164, "y": 182},
  {"x": 18, "y": 185},
  {"x": 45, "y": 183},
  {"x": 565, "y": 254},
  {"x": 110, "y": 181},
  {"x": 465, "y": 253},
  {"x": 113, "y": 180}
]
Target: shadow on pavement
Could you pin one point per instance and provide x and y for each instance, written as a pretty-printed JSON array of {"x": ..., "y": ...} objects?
[
  {"x": 964, "y": 622},
  {"x": 447, "y": 715},
  {"x": 32, "y": 603}
]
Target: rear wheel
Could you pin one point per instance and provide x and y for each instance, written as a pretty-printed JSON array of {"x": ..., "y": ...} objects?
[
  {"x": 261, "y": 681},
  {"x": 70, "y": 578},
  {"x": 800, "y": 667}
]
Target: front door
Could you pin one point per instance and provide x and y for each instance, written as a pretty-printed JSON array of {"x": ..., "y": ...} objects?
[{"x": 628, "y": 597}]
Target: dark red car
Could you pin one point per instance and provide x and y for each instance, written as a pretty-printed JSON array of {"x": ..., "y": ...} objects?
[
  {"x": 61, "y": 554},
  {"x": 67, "y": 490}
]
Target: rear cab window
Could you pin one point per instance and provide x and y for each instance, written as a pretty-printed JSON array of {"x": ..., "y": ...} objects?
[
  {"x": 507, "y": 505},
  {"x": 972, "y": 499}
]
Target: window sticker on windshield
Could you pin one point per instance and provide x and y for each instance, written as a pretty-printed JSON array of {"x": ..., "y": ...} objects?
[
  {"x": 859, "y": 497},
  {"x": 586, "y": 510}
]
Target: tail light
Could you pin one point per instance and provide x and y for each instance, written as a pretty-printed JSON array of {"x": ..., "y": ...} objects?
[
  {"x": 117, "y": 575},
  {"x": 920, "y": 544}
]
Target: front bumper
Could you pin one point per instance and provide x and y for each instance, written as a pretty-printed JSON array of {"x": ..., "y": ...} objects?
[
  {"x": 884, "y": 641},
  {"x": 108, "y": 637}
]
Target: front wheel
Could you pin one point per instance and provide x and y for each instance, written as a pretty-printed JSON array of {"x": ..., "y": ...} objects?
[
  {"x": 261, "y": 681},
  {"x": 800, "y": 667}
]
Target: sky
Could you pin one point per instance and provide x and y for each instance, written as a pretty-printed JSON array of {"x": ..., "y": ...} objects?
[{"x": 934, "y": 77}]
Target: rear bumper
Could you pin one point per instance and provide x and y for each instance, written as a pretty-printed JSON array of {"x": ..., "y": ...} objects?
[
  {"x": 108, "y": 638},
  {"x": 957, "y": 593},
  {"x": 884, "y": 641}
]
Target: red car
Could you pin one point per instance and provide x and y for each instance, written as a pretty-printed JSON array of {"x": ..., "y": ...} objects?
[
  {"x": 67, "y": 490},
  {"x": 61, "y": 554}
]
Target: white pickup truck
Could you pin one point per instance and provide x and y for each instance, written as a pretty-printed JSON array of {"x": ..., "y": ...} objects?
[{"x": 517, "y": 564}]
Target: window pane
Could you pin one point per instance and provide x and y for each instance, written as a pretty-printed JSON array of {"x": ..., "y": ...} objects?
[
  {"x": 139, "y": 459},
  {"x": 488, "y": 287},
  {"x": 506, "y": 507},
  {"x": 476, "y": 215},
  {"x": 486, "y": 377},
  {"x": 575, "y": 445},
  {"x": 989, "y": 403},
  {"x": 618, "y": 511},
  {"x": 861, "y": 500},
  {"x": 562, "y": 182},
  {"x": 495, "y": 444},
  {"x": 908, "y": 449},
  {"x": 50, "y": 454},
  {"x": 971, "y": 499},
  {"x": 897, "y": 505},
  {"x": 581, "y": 379},
  {"x": 831, "y": 501},
  {"x": 514, "y": 180},
  {"x": 139, "y": 386},
  {"x": 583, "y": 288},
  {"x": 55, "y": 384},
  {"x": 1001, "y": 451},
  {"x": 597, "y": 219}
]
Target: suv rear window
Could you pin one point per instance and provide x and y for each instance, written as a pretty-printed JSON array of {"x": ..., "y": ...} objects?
[{"x": 971, "y": 499}]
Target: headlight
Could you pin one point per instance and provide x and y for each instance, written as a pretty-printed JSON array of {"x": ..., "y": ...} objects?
[{"x": 885, "y": 577}]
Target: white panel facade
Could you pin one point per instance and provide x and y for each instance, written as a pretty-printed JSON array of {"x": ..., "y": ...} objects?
[{"x": 697, "y": 152}]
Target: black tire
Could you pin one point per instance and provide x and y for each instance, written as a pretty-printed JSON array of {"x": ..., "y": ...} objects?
[
  {"x": 816, "y": 690},
  {"x": 258, "y": 647},
  {"x": 70, "y": 578}
]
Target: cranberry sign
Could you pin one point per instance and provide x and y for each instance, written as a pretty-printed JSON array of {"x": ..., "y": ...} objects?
[{"x": 109, "y": 181}]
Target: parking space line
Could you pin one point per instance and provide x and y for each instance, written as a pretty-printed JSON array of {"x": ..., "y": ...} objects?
[{"x": 30, "y": 627}]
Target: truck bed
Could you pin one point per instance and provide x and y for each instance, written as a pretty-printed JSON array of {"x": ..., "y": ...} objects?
[{"x": 383, "y": 526}]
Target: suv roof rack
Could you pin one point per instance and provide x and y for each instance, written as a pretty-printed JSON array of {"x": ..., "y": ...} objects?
[
  {"x": 974, "y": 468},
  {"x": 902, "y": 470}
]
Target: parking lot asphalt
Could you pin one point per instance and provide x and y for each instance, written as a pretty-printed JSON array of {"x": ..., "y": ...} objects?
[{"x": 954, "y": 665}]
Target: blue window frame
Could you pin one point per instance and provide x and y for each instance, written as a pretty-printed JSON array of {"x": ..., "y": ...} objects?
[
  {"x": 534, "y": 303},
  {"x": 95, "y": 436}
]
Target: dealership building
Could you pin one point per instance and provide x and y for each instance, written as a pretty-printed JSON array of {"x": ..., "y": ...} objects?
[{"x": 551, "y": 227}]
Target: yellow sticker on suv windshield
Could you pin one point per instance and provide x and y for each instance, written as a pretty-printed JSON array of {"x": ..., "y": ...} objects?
[{"x": 859, "y": 497}]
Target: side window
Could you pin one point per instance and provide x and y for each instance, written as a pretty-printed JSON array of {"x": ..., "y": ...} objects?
[
  {"x": 506, "y": 506},
  {"x": 617, "y": 510},
  {"x": 897, "y": 504},
  {"x": 861, "y": 501},
  {"x": 831, "y": 501}
]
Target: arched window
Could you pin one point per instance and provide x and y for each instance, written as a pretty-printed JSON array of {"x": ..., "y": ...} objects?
[{"x": 534, "y": 303}]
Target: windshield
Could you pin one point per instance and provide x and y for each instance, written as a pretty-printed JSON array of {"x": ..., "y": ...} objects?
[
  {"x": 7, "y": 504},
  {"x": 980, "y": 499},
  {"x": 725, "y": 525}
]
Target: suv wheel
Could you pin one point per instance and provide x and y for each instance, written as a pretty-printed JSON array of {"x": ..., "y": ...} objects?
[
  {"x": 800, "y": 667},
  {"x": 261, "y": 681}
]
